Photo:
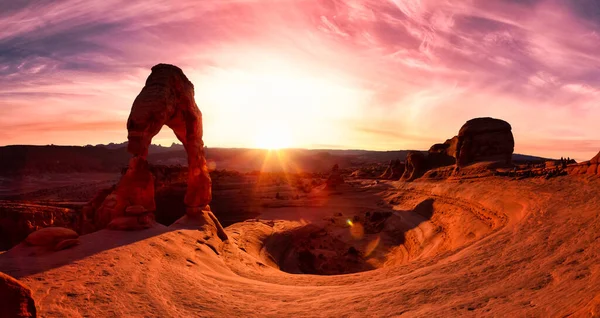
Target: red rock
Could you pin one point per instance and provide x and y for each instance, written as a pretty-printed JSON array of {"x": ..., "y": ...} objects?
[
  {"x": 50, "y": 236},
  {"x": 166, "y": 99},
  {"x": 16, "y": 300},
  {"x": 394, "y": 170},
  {"x": 19, "y": 219},
  {"x": 135, "y": 210},
  {"x": 596, "y": 158},
  {"x": 415, "y": 164},
  {"x": 128, "y": 223},
  {"x": 592, "y": 169},
  {"x": 484, "y": 139},
  {"x": 65, "y": 244},
  {"x": 441, "y": 155}
]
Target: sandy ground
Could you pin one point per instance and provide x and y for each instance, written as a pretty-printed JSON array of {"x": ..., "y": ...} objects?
[{"x": 488, "y": 247}]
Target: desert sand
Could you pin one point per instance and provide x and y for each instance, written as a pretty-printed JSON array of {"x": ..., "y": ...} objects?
[{"x": 486, "y": 247}]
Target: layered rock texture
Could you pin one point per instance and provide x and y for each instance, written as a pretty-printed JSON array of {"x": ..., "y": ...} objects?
[
  {"x": 17, "y": 220},
  {"x": 415, "y": 166},
  {"x": 586, "y": 168},
  {"x": 166, "y": 99},
  {"x": 16, "y": 300},
  {"x": 394, "y": 170}
]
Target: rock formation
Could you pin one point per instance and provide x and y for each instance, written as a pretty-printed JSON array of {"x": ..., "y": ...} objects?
[
  {"x": 484, "y": 139},
  {"x": 394, "y": 170},
  {"x": 166, "y": 99},
  {"x": 18, "y": 220},
  {"x": 440, "y": 155},
  {"x": 586, "y": 168},
  {"x": 415, "y": 166},
  {"x": 479, "y": 140},
  {"x": 16, "y": 300},
  {"x": 335, "y": 178},
  {"x": 57, "y": 238}
]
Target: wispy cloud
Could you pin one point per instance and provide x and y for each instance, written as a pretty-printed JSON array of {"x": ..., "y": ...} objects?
[{"x": 412, "y": 69}]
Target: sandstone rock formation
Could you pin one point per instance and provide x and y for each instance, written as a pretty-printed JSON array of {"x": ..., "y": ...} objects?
[
  {"x": 166, "y": 99},
  {"x": 58, "y": 238},
  {"x": 335, "y": 178},
  {"x": 484, "y": 139},
  {"x": 16, "y": 300},
  {"x": 415, "y": 166},
  {"x": 18, "y": 220},
  {"x": 440, "y": 155},
  {"x": 394, "y": 170},
  {"x": 479, "y": 140},
  {"x": 590, "y": 167}
]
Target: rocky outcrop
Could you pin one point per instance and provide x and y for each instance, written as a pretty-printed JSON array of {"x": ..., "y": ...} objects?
[
  {"x": 16, "y": 300},
  {"x": 590, "y": 167},
  {"x": 18, "y": 220},
  {"x": 51, "y": 236},
  {"x": 335, "y": 178},
  {"x": 166, "y": 99},
  {"x": 415, "y": 166},
  {"x": 479, "y": 140},
  {"x": 484, "y": 139},
  {"x": 441, "y": 155},
  {"x": 394, "y": 170}
]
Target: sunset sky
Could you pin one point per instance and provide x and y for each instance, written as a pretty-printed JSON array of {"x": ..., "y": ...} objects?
[{"x": 370, "y": 74}]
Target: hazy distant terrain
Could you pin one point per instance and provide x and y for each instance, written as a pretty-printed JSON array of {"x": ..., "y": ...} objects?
[{"x": 21, "y": 160}]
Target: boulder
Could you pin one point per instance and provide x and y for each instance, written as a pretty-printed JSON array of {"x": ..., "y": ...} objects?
[
  {"x": 484, "y": 139},
  {"x": 15, "y": 299},
  {"x": 50, "y": 236}
]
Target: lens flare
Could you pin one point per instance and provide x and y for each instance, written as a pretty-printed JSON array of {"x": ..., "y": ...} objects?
[{"x": 357, "y": 231}]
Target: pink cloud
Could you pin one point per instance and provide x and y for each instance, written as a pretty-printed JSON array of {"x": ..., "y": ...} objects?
[{"x": 420, "y": 67}]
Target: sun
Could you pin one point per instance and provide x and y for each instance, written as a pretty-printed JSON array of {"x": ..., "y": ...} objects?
[{"x": 273, "y": 136}]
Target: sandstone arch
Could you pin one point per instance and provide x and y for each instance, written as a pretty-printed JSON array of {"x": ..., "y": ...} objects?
[{"x": 167, "y": 99}]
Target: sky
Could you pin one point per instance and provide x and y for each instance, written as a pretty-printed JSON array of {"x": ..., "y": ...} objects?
[{"x": 342, "y": 74}]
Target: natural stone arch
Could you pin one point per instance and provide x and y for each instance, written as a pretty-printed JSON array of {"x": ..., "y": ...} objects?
[{"x": 167, "y": 99}]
